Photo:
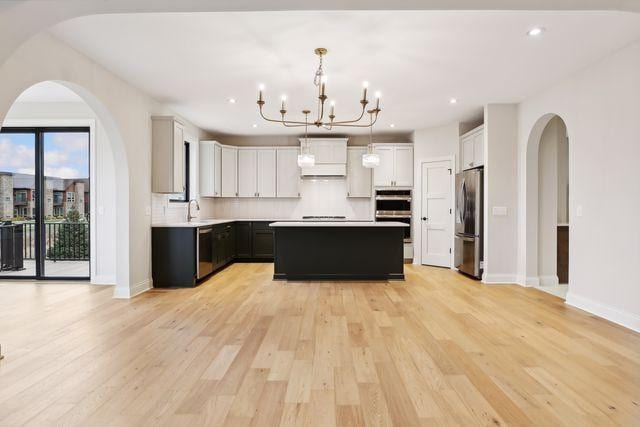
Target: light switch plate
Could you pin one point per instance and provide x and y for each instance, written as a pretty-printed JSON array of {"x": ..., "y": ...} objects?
[
  {"x": 147, "y": 210},
  {"x": 499, "y": 211},
  {"x": 579, "y": 210}
]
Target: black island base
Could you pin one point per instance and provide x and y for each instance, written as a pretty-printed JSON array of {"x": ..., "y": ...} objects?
[{"x": 339, "y": 250}]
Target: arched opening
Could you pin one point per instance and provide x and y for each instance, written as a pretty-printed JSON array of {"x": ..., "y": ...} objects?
[
  {"x": 63, "y": 146},
  {"x": 547, "y": 205}
]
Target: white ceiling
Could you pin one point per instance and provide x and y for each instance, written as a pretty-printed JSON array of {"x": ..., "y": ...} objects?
[
  {"x": 48, "y": 92},
  {"x": 418, "y": 59}
]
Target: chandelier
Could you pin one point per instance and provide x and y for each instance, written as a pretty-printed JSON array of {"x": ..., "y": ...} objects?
[{"x": 306, "y": 159}]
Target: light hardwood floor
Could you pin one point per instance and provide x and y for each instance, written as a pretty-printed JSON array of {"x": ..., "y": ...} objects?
[{"x": 438, "y": 349}]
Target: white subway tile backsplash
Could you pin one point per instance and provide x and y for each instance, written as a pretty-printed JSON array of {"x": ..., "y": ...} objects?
[{"x": 318, "y": 197}]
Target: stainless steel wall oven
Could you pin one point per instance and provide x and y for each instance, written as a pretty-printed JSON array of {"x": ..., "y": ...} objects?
[{"x": 395, "y": 205}]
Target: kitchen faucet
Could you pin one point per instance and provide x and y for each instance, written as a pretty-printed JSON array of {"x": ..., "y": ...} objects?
[{"x": 189, "y": 216}]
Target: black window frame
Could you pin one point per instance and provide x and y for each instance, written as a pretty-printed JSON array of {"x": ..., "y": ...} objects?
[
  {"x": 184, "y": 196},
  {"x": 39, "y": 229}
]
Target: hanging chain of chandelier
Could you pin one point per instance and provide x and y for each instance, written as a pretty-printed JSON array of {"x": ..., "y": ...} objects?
[{"x": 320, "y": 81}]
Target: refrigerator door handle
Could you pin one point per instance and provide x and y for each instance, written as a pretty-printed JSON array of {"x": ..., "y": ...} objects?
[{"x": 463, "y": 212}]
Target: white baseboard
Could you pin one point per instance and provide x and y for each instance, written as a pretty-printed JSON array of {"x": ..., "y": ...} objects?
[
  {"x": 103, "y": 280},
  {"x": 499, "y": 279},
  {"x": 548, "y": 281},
  {"x": 621, "y": 317},
  {"x": 137, "y": 289},
  {"x": 532, "y": 281}
]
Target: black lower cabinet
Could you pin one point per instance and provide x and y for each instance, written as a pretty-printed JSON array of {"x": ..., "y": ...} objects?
[
  {"x": 175, "y": 250},
  {"x": 254, "y": 241},
  {"x": 174, "y": 257},
  {"x": 262, "y": 245},
  {"x": 243, "y": 239}
]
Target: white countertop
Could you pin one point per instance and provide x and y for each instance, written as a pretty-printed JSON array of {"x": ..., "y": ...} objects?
[
  {"x": 206, "y": 222},
  {"x": 338, "y": 224}
]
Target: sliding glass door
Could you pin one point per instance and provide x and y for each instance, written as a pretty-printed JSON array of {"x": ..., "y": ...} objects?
[{"x": 45, "y": 199}]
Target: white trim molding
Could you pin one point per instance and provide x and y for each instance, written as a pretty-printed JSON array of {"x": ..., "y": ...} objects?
[
  {"x": 500, "y": 279},
  {"x": 101, "y": 280},
  {"x": 532, "y": 281},
  {"x": 135, "y": 290},
  {"x": 624, "y": 318},
  {"x": 548, "y": 281}
]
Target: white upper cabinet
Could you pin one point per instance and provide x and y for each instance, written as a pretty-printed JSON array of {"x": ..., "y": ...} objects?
[
  {"x": 403, "y": 165},
  {"x": 383, "y": 175},
  {"x": 247, "y": 174},
  {"x": 478, "y": 149},
  {"x": 210, "y": 169},
  {"x": 266, "y": 172},
  {"x": 229, "y": 171},
  {"x": 288, "y": 172},
  {"x": 257, "y": 172},
  {"x": 167, "y": 139},
  {"x": 217, "y": 165},
  {"x": 472, "y": 148},
  {"x": 396, "y": 165},
  {"x": 358, "y": 177}
]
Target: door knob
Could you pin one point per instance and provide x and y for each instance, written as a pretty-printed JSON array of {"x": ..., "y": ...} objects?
[{"x": 424, "y": 218}]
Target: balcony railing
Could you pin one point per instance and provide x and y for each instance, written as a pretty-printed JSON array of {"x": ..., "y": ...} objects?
[{"x": 64, "y": 241}]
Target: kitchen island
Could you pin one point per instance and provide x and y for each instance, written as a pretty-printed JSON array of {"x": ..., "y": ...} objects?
[{"x": 358, "y": 250}]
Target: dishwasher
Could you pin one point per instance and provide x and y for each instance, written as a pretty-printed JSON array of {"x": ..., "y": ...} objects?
[{"x": 205, "y": 252}]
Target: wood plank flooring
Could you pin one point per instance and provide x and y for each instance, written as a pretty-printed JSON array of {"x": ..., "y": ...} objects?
[{"x": 437, "y": 349}]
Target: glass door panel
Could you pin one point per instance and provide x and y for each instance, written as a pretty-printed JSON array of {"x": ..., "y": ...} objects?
[
  {"x": 18, "y": 210},
  {"x": 66, "y": 202}
]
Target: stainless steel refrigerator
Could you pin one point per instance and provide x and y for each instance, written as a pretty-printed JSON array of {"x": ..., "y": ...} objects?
[{"x": 468, "y": 251}]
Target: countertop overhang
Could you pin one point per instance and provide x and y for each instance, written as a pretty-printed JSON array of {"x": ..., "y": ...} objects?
[
  {"x": 209, "y": 222},
  {"x": 338, "y": 224}
]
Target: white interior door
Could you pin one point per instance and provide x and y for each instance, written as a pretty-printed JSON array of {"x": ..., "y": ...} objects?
[{"x": 436, "y": 213}]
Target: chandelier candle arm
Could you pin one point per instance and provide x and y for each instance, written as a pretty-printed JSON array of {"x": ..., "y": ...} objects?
[{"x": 320, "y": 80}]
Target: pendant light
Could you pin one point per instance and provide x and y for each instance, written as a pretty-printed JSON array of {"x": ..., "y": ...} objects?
[
  {"x": 370, "y": 159},
  {"x": 305, "y": 158}
]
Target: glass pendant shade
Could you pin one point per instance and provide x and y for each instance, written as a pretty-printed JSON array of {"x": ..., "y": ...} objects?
[
  {"x": 306, "y": 160},
  {"x": 370, "y": 160}
]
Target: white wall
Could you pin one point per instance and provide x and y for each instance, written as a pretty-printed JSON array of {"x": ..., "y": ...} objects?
[
  {"x": 548, "y": 202},
  {"x": 125, "y": 114},
  {"x": 501, "y": 190},
  {"x": 428, "y": 144},
  {"x": 600, "y": 107},
  {"x": 103, "y": 191},
  {"x": 563, "y": 175}
]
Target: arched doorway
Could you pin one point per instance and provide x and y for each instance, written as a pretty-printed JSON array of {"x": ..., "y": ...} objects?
[
  {"x": 91, "y": 171},
  {"x": 547, "y": 206}
]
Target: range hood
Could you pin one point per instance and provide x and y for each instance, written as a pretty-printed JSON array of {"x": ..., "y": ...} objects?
[{"x": 330, "y": 157}]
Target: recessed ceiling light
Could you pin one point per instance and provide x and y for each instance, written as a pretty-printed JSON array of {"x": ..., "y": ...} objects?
[
  {"x": 232, "y": 100},
  {"x": 254, "y": 125},
  {"x": 392, "y": 125},
  {"x": 535, "y": 32},
  {"x": 453, "y": 101}
]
